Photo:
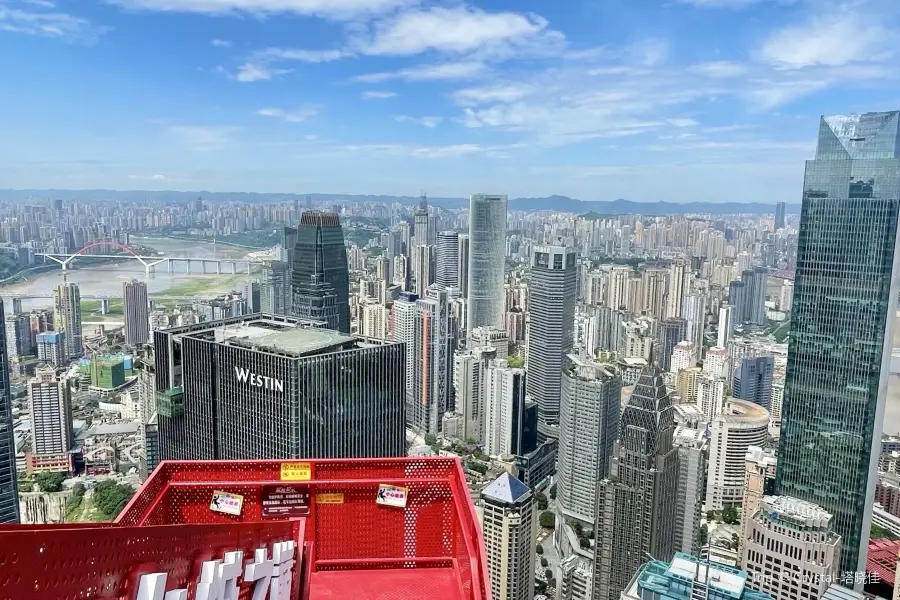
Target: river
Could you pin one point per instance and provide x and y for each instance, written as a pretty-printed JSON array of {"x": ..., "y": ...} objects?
[{"x": 107, "y": 279}]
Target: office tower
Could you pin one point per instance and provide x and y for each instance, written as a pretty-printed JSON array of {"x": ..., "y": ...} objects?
[
  {"x": 275, "y": 289},
  {"x": 261, "y": 386},
  {"x": 755, "y": 296},
  {"x": 469, "y": 382},
  {"x": 759, "y": 481},
  {"x": 710, "y": 396},
  {"x": 9, "y": 481},
  {"x": 842, "y": 324},
  {"x": 515, "y": 324},
  {"x": 403, "y": 329},
  {"x": 423, "y": 268},
  {"x": 577, "y": 578},
  {"x": 687, "y": 383},
  {"x": 786, "y": 300},
  {"x": 690, "y": 578},
  {"x": 551, "y": 310},
  {"x": 777, "y": 401},
  {"x": 424, "y": 226},
  {"x": 447, "y": 271},
  {"x": 741, "y": 425},
  {"x": 636, "y": 504},
  {"x": 51, "y": 421},
  {"x": 19, "y": 337},
  {"x": 137, "y": 312},
  {"x": 67, "y": 317},
  {"x": 779, "y": 215},
  {"x": 288, "y": 245},
  {"x": 51, "y": 348},
  {"x": 726, "y": 325},
  {"x": 684, "y": 356},
  {"x": 753, "y": 379},
  {"x": 487, "y": 260},
  {"x": 320, "y": 280},
  {"x": 509, "y": 523},
  {"x": 401, "y": 272},
  {"x": 490, "y": 337},
  {"x": 462, "y": 263},
  {"x": 693, "y": 452},
  {"x": 671, "y": 331},
  {"x": 434, "y": 340},
  {"x": 251, "y": 294},
  {"x": 588, "y": 425},
  {"x": 510, "y": 417},
  {"x": 790, "y": 550},
  {"x": 679, "y": 285},
  {"x": 738, "y": 298},
  {"x": 373, "y": 321}
]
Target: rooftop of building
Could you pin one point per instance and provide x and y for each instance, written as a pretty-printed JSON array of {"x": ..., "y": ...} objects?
[
  {"x": 882, "y": 559},
  {"x": 667, "y": 580},
  {"x": 743, "y": 410},
  {"x": 506, "y": 489},
  {"x": 787, "y": 506}
]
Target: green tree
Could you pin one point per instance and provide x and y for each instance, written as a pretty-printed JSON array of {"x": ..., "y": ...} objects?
[
  {"x": 712, "y": 516},
  {"x": 50, "y": 482},
  {"x": 547, "y": 519},
  {"x": 584, "y": 543},
  {"x": 110, "y": 497},
  {"x": 735, "y": 541},
  {"x": 548, "y": 575},
  {"x": 541, "y": 500},
  {"x": 544, "y": 561},
  {"x": 730, "y": 515},
  {"x": 430, "y": 439},
  {"x": 515, "y": 362},
  {"x": 539, "y": 549},
  {"x": 553, "y": 491},
  {"x": 877, "y": 531},
  {"x": 704, "y": 534}
]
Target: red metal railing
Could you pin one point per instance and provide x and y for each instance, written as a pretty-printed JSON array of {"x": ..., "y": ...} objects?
[{"x": 430, "y": 548}]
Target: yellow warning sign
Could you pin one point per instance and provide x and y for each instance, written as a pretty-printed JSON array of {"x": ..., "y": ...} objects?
[
  {"x": 296, "y": 471},
  {"x": 332, "y": 498}
]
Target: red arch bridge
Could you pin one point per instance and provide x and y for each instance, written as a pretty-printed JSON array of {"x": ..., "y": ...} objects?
[{"x": 150, "y": 262}]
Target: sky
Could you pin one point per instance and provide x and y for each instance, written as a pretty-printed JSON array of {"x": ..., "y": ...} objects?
[{"x": 646, "y": 100}]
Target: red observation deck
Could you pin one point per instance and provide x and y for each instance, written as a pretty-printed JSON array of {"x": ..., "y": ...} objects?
[{"x": 318, "y": 529}]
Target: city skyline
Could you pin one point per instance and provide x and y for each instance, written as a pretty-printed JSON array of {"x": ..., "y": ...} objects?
[{"x": 277, "y": 95}]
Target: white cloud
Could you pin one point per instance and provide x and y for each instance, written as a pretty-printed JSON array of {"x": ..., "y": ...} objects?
[
  {"x": 221, "y": 43},
  {"x": 650, "y": 52},
  {"x": 248, "y": 72},
  {"x": 487, "y": 95},
  {"x": 429, "y": 122},
  {"x": 718, "y": 68},
  {"x": 47, "y": 22},
  {"x": 416, "y": 151},
  {"x": 291, "y": 116},
  {"x": 298, "y": 54},
  {"x": 840, "y": 38},
  {"x": 457, "y": 70},
  {"x": 154, "y": 177},
  {"x": 766, "y": 95},
  {"x": 378, "y": 94},
  {"x": 322, "y": 8},
  {"x": 682, "y": 122},
  {"x": 455, "y": 30},
  {"x": 204, "y": 137}
]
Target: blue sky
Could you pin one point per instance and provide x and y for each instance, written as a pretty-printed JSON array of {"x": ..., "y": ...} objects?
[{"x": 676, "y": 100}]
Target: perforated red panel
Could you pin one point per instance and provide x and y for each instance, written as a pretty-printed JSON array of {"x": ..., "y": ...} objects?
[
  {"x": 435, "y": 539},
  {"x": 73, "y": 563}
]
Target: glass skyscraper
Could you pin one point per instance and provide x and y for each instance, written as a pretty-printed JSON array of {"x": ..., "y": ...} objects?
[
  {"x": 842, "y": 321},
  {"x": 320, "y": 279},
  {"x": 9, "y": 495},
  {"x": 487, "y": 260}
]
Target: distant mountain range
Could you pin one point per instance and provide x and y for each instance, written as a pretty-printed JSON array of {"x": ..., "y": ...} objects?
[{"x": 550, "y": 203}]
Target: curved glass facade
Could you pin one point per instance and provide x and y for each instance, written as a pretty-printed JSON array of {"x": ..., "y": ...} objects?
[{"x": 487, "y": 260}]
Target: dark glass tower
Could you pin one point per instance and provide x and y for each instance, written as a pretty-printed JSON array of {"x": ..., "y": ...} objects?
[
  {"x": 320, "y": 281},
  {"x": 9, "y": 493},
  {"x": 636, "y": 505},
  {"x": 779, "y": 215},
  {"x": 842, "y": 322}
]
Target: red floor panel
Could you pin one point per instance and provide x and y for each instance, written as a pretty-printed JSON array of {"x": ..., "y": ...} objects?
[{"x": 389, "y": 584}]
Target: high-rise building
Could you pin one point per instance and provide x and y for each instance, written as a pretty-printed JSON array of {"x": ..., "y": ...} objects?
[
  {"x": 275, "y": 289},
  {"x": 779, "y": 215},
  {"x": 510, "y": 417},
  {"x": 469, "y": 383},
  {"x": 51, "y": 421},
  {"x": 693, "y": 453},
  {"x": 711, "y": 396},
  {"x": 509, "y": 524},
  {"x": 679, "y": 285},
  {"x": 424, "y": 225},
  {"x": 320, "y": 278},
  {"x": 588, "y": 425},
  {"x": 136, "y": 306},
  {"x": 741, "y": 425},
  {"x": 759, "y": 481},
  {"x": 755, "y": 296},
  {"x": 447, "y": 264},
  {"x": 490, "y": 337},
  {"x": 19, "y": 338},
  {"x": 671, "y": 331},
  {"x": 51, "y": 348},
  {"x": 690, "y": 578},
  {"x": 9, "y": 481},
  {"x": 636, "y": 504},
  {"x": 423, "y": 268},
  {"x": 403, "y": 329},
  {"x": 67, "y": 317},
  {"x": 738, "y": 298},
  {"x": 262, "y": 386},
  {"x": 463, "y": 265},
  {"x": 684, "y": 356},
  {"x": 726, "y": 325},
  {"x": 577, "y": 580},
  {"x": 790, "y": 550},
  {"x": 753, "y": 379},
  {"x": 434, "y": 340},
  {"x": 655, "y": 287},
  {"x": 842, "y": 324},
  {"x": 551, "y": 310},
  {"x": 694, "y": 311},
  {"x": 487, "y": 260}
]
